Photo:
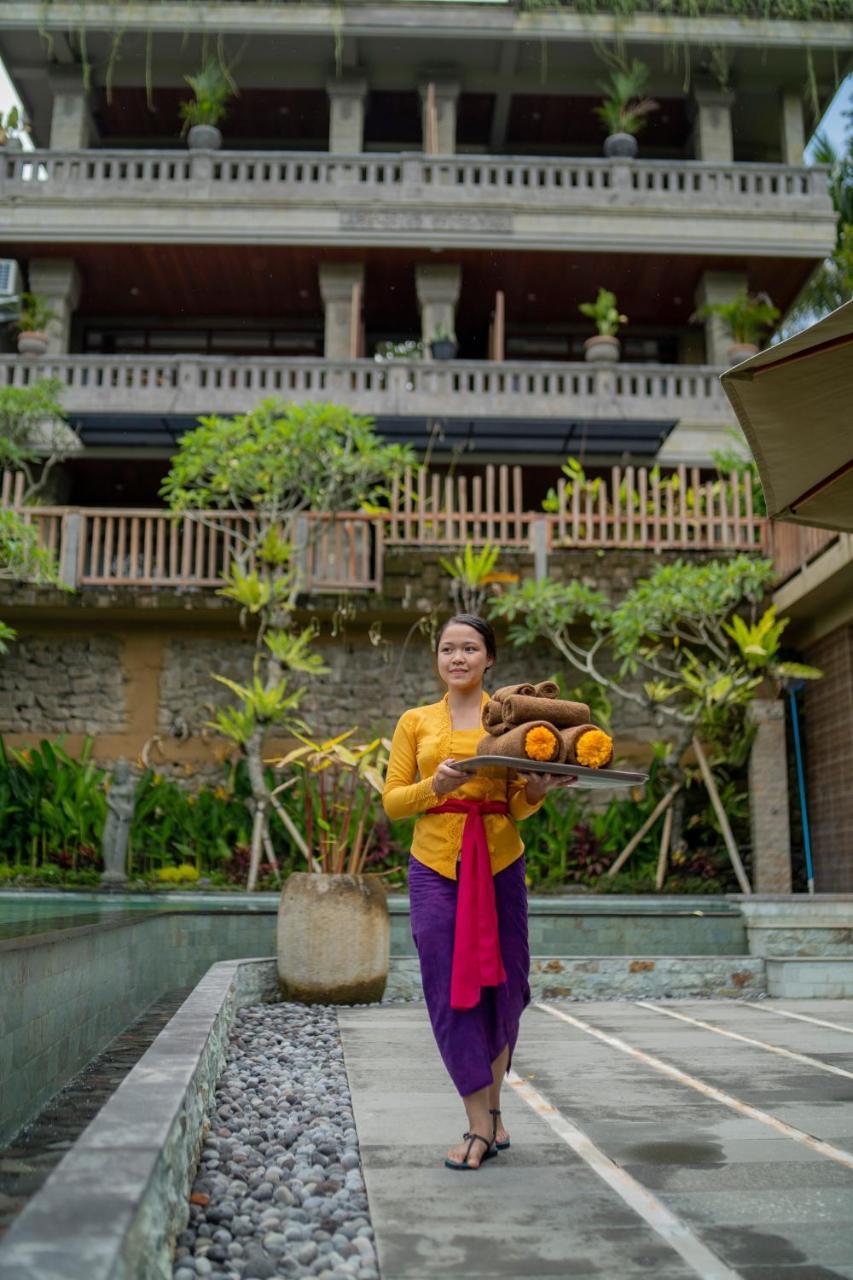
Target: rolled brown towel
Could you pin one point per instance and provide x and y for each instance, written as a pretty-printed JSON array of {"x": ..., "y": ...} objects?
[
  {"x": 588, "y": 745},
  {"x": 538, "y": 740},
  {"x": 493, "y": 721},
  {"x": 545, "y": 689},
  {"x": 517, "y": 709},
  {"x": 509, "y": 689}
]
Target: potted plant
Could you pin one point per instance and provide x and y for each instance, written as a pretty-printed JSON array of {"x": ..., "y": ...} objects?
[
  {"x": 11, "y": 130},
  {"x": 33, "y": 319},
  {"x": 624, "y": 109},
  {"x": 747, "y": 318},
  {"x": 333, "y": 924},
  {"x": 604, "y": 311},
  {"x": 442, "y": 345},
  {"x": 202, "y": 114}
]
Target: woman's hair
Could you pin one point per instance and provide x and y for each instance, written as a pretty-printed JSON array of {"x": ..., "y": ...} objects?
[{"x": 478, "y": 624}]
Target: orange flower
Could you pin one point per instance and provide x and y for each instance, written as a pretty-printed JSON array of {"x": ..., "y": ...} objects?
[
  {"x": 595, "y": 749},
  {"x": 540, "y": 743}
]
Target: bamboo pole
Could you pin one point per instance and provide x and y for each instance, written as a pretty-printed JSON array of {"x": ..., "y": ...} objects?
[
  {"x": 729, "y": 839},
  {"x": 499, "y": 327},
  {"x": 663, "y": 854},
  {"x": 647, "y": 826}
]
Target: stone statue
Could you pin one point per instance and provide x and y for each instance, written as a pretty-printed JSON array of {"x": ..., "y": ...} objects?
[{"x": 120, "y": 799}]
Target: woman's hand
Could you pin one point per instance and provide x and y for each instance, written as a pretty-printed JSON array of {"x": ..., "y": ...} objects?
[
  {"x": 448, "y": 778},
  {"x": 539, "y": 784}
]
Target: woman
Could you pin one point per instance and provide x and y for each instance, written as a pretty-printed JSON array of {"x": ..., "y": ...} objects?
[{"x": 470, "y": 929}]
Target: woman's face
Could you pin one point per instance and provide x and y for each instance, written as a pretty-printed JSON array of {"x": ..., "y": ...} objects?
[{"x": 462, "y": 657}]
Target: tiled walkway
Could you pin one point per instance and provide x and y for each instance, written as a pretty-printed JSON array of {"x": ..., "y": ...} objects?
[{"x": 642, "y": 1143}]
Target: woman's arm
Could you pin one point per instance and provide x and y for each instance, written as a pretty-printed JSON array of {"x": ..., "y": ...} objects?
[{"x": 403, "y": 796}]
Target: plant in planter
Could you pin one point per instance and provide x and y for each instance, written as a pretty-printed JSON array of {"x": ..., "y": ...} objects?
[
  {"x": 201, "y": 115},
  {"x": 443, "y": 345},
  {"x": 747, "y": 318},
  {"x": 33, "y": 319},
  {"x": 333, "y": 927},
  {"x": 625, "y": 109},
  {"x": 608, "y": 319},
  {"x": 12, "y": 129}
]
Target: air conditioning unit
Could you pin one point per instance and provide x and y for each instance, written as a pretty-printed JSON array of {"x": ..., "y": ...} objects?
[{"x": 11, "y": 283}]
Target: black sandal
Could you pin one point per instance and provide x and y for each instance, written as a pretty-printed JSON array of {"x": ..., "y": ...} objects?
[
  {"x": 490, "y": 1153},
  {"x": 501, "y": 1146}
]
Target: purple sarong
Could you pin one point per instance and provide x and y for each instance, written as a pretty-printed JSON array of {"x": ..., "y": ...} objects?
[{"x": 469, "y": 1040}]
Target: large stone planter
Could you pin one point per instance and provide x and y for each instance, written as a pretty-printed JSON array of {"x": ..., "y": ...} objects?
[
  {"x": 204, "y": 137},
  {"x": 620, "y": 146},
  {"x": 333, "y": 939},
  {"x": 602, "y": 349},
  {"x": 740, "y": 351},
  {"x": 31, "y": 342}
]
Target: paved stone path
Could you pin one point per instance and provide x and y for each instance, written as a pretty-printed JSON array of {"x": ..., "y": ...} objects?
[{"x": 642, "y": 1143}]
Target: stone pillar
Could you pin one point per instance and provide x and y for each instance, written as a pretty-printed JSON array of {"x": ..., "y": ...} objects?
[
  {"x": 792, "y": 128},
  {"x": 713, "y": 125},
  {"x": 446, "y": 99},
  {"x": 57, "y": 280},
  {"x": 346, "y": 116},
  {"x": 71, "y": 125},
  {"x": 338, "y": 280},
  {"x": 718, "y": 286},
  {"x": 438, "y": 292},
  {"x": 768, "y": 798}
]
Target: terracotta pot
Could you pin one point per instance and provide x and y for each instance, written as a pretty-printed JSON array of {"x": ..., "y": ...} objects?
[
  {"x": 740, "y": 351},
  {"x": 620, "y": 146},
  {"x": 333, "y": 939},
  {"x": 204, "y": 137},
  {"x": 601, "y": 349},
  {"x": 31, "y": 342}
]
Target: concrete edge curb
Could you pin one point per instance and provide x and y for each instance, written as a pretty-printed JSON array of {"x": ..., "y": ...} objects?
[{"x": 111, "y": 1208}]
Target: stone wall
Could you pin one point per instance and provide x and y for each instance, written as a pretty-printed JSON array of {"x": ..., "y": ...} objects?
[
  {"x": 135, "y": 668},
  {"x": 52, "y": 683}
]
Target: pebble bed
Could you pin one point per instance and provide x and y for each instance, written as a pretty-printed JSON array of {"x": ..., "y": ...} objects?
[{"x": 279, "y": 1190}]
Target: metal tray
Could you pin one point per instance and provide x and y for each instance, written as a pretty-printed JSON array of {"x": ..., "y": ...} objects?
[{"x": 600, "y": 779}]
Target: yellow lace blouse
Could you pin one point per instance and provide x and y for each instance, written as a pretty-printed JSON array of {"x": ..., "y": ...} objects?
[{"x": 423, "y": 738}]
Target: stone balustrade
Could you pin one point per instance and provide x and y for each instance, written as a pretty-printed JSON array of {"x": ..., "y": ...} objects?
[
  {"x": 540, "y": 202},
  {"x": 180, "y": 385}
]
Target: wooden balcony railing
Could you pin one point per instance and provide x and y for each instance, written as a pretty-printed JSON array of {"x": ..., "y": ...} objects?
[
  {"x": 634, "y": 508},
  {"x": 793, "y": 546}
]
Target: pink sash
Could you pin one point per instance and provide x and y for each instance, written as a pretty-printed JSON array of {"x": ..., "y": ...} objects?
[{"x": 477, "y": 958}]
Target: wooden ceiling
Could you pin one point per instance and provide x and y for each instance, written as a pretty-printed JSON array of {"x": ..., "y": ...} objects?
[{"x": 268, "y": 282}]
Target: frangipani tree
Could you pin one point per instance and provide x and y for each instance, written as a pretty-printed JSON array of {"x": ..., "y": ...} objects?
[
  {"x": 250, "y": 478},
  {"x": 33, "y": 439},
  {"x": 690, "y": 644}
]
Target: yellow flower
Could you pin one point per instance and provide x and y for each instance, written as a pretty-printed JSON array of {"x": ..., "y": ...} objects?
[
  {"x": 595, "y": 749},
  {"x": 540, "y": 743},
  {"x": 220, "y": 793}
]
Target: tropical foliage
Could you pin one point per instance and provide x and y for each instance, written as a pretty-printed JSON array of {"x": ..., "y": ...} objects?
[
  {"x": 625, "y": 108},
  {"x": 605, "y": 312},
  {"x": 212, "y": 87},
  {"x": 274, "y": 464}
]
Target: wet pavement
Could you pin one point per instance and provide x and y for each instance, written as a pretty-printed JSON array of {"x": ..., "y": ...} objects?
[
  {"x": 35, "y": 1152},
  {"x": 674, "y": 1138}
]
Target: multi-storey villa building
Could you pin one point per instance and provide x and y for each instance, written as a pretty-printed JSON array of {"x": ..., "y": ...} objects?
[{"x": 389, "y": 173}]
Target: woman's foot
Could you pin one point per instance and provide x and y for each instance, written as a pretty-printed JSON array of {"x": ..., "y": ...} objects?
[
  {"x": 499, "y": 1133},
  {"x": 472, "y": 1152}
]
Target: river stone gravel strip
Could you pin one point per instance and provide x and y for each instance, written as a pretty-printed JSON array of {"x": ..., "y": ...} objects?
[{"x": 279, "y": 1190}]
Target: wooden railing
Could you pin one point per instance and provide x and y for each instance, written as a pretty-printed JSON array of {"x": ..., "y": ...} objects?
[
  {"x": 793, "y": 546},
  {"x": 633, "y": 507},
  {"x": 636, "y": 508},
  {"x": 98, "y": 547}
]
